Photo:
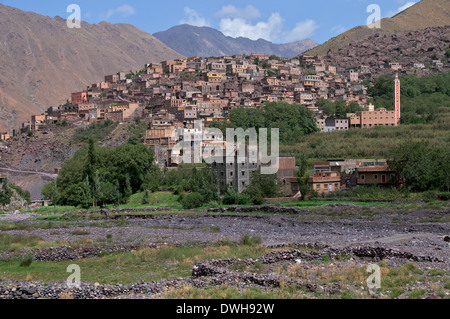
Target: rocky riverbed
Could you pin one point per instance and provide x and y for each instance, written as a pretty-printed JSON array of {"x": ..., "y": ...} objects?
[{"x": 365, "y": 235}]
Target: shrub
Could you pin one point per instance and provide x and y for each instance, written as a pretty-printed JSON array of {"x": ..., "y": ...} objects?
[
  {"x": 213, "y": 204},
  {"x": 26, "y": 261},
  {"x": 257, "y": 200},
  {"x": 443, "y": 196},
  {"x": 145, "y": 198},
  {"x": 192, "y": 200},
  {"x": 249, "y": 240},
  {"x": 232, "y": 197},
  {"x": 429, "y": 196}
]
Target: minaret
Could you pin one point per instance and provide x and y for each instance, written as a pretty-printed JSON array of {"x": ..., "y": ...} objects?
[{"x": 397, "y": 100}]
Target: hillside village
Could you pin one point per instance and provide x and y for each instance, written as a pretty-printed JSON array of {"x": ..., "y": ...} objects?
[
  {"x": 173, "y": 94},
  {"x": 189, "y": 175}
]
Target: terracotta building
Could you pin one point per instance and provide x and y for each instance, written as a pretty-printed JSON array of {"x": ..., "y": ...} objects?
[{"x": 325, "y": 182}]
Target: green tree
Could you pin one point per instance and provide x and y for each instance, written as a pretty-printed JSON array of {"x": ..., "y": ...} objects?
[
  {"x": 421, "y": 167},
  {"x": 262, "y": 186},
  {"x": 145, "y": 197},
  {"x": 192, "y": 200},
  {"x": 302, "y": 178},
  {"x": 6, "y": 193}
]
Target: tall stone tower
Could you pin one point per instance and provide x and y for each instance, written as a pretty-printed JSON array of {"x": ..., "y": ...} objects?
[{"x": 397, "y": 99}]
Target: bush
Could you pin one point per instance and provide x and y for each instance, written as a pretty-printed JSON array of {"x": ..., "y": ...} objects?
[
  {"x": 22, "y": 193},
  {"x": 26, "y": 261},
  {"x": 213, "y": 204},
  {"x": 430, "y": 196},
  {"x": 145, "y": 198},
  {"x": 249, "y": 240},
  {"x": 232, "y": 197},
  {"x": 443, "y": 196},
  {"x": 257, "y": 200},
  {"x": 192, "y": 200}
]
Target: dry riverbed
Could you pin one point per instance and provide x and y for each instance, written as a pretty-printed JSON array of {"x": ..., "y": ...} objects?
[{"x": 316, "y": 250}]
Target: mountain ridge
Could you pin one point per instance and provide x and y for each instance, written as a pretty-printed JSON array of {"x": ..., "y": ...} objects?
[
  {"x": 205, "y": 42},
  {"x": 42, "y": 61},
  {"x": 424, "y": 14}
]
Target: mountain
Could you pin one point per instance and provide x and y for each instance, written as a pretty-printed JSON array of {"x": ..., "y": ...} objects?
[
  {"x": 410, "y": 49},
  {"x": 424, "y": 14},
  {"x": 205, "y": 42},
  {"x": 42, "y": 61}
]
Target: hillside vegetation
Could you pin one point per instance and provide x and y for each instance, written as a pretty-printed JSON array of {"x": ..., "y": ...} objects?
[{"x": 425, "y": 118}]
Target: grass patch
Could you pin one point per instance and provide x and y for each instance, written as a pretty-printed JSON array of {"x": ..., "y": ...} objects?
[
  {"x": 226, "y": 292},
  {"x": 156, "y": 199},
  {"x": 80, "y": 233},
  {"x": 96, "y": 131},
  {"x": 26, "y": 261},
  {"x": 13, "y": 243},
  {"x": 148, "y": 264},
  {"x": 249, "y": 240}
]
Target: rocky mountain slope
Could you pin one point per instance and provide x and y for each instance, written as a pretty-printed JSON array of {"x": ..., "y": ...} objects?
[
  {"x": 406, "y": 48},
  {"x": 205, "y": 42},
  {"x": 42, "y": 61},
  {"x": 426, "y": 13}
]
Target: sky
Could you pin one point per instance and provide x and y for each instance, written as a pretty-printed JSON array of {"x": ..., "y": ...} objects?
[{"x": 278, "y": 21}]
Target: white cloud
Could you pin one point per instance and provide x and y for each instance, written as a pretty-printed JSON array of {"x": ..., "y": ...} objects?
[
  {"x": 271, "y": 30},
  {"x": 230, "y": 11},
  {"x": 392, "y": 13},
  {"x": 192, "y": 17},
  {"x": 406, "y": 6},
  {"x": 124, "y": 11},
  {"x": 301, "y": 31},
  {"x": 338, "y": 29},
  {"x": 240, "y": 27}
]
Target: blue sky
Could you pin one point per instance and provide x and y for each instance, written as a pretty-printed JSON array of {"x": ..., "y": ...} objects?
[{"x": 277, "y": 21}]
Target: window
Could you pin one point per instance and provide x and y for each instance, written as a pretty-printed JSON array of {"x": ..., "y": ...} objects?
[
  {"x": 363, "y": 177},
  {"x": 375, "y": 176}
]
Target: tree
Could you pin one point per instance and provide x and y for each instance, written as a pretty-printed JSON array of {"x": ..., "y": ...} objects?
[
  {"x": 51, "y": 192},
  {"x": 421, "y": 166},
  {"x": 274, "y": 57},
  {"x": 87, "y": 194},
  {"x": 116, "y": 195},
  {"x": 97, "y": 189},
  {"x": 128, "y": 190},
  {"x": 91, "y": 161},
  {"x": 112, "y": 174},
  {"x": 192, "y": 200},
  {"x": 262, "y": 186},
  {"x": 145, "y": 197},
  {"x": 302, "y": 178},
  {"x": 6, "y": 193}
]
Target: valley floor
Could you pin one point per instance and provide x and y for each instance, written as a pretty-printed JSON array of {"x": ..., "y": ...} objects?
[{"x": 319, "y": 251}]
